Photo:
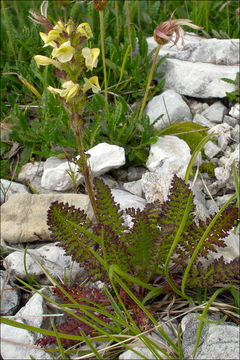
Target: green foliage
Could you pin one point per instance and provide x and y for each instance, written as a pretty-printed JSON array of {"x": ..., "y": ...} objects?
[
  {"x": 142, "y": 249},
  {"x": 208, "y": 167},
  {"x": 234, "y": 95},
  {"x": 40, "y": 129},
  {"x": 190, "y": 132}
]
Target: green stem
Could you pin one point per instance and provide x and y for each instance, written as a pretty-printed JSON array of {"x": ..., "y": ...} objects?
[
  {"x": 129, "y": 30},
  {"x": 149, "y": 82},
  {"x": 84, "y": 165},
  {"x": 117, "y": 22},
  {"x": 8, "y": 29},
  {"x": 103, "y": 57}
]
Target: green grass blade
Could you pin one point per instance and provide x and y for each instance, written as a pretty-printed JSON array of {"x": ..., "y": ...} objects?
[
  {"x": 194, "y": 156},
  {"x": 58, "y": 341}
]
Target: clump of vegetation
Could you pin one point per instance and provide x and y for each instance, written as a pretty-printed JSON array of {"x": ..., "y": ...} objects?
[{"x": 208, "y": 167}]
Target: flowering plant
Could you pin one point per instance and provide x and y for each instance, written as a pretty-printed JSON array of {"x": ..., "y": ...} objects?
[{"x": 72, "y": 59}]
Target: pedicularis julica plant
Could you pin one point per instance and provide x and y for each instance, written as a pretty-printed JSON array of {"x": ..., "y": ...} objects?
[{"x": 73, "y": 60}]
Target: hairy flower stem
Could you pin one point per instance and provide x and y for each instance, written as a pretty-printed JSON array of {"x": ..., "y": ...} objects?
[
  {"x": 83, "y": 164},
  {"x": 129, "y": 30},
  {"x": 149, "y": 81},
  {"x": 103, "y": 58}
]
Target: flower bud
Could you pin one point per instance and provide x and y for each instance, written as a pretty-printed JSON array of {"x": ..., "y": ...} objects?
[{"x": 99, "y": 4}]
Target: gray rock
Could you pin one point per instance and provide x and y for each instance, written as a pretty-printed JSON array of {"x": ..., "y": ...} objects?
[
  {"x": 199, "y": 49},
  {"x": 196, "y": 69},
  {"x": 19, "y": 340},
  {"x": 52, "y": 257},
  {"x": 197, "y": 107},
  {"x": 135, "y": 173},
  {"x": 216, "y": 342},
  {"x": 215, "y": 112},
  {"x": 10, "y": 296},
  {"x": 236, "y": 133},
  {"x": 134, "y": 187},
  {"x": 201, "y": 120},
  {"x": 230, "y": 120},
  {"x": 32, "y": 174},
  {"x": 223, "y": 133},
  {"x": 211, "y": 149},
  {"x": 171, "y": 106},
  {"x": 169, "y": 155},
  {"x": 198, "y": 79},
  {"x": 127, "y": 200},
  {"x": 103, "y": 157},
  {"x": 156, "y": 186},
  {"x": 24, "y": 216},
  {"x": 235, "y": 111},
  {"x": 224, "y": 174},
  {"x": 9, "y": 188}
]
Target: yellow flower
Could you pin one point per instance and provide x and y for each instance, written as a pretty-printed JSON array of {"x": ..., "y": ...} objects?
[
  {"x": 91, "y": 57},
  {"x": 64, "y": 53},
  {"x": 85, "y": 30},
  {"x": 44, "y": 61},
  {"x": 164, "y": 32},
  {"x": 91, "y": 83},
  {"x": 51, "y": 36},
  {"x": 68, "y": 91},
  {"x": 45, "y": 39},
  {"x": 59, "y": 27}
]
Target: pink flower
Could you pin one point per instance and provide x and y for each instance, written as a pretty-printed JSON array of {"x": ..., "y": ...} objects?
[{"x": 165, "y": 30}]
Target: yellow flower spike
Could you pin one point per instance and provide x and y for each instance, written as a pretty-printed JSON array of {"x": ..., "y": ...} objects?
[
  {"x": 91, "y": 57},
  {"x": 91, "y": 83},
  {"x": 64, "y": 53},
  {"x": 85, "y": 30},
  {"x": 44, "y": 61}
]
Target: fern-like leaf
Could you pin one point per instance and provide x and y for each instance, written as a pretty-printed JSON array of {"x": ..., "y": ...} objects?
[
  {"x": 218, "y": 272},
  {"x": 61, "y": 220}
]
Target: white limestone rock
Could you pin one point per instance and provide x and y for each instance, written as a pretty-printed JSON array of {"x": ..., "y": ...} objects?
[
  {"x": 235, "y": 111},
  {"x": 32, "y": 315},
  {"x": 201, "y": 120},
  {"x": 215, "y": 112},
  {"x": 24, "y": 216},
  {"x": 9, "y": 188},
  {"x": 218, "y": 341},
  {"x": 134, "y": 187},
  {"x": 103, "y": 157},
  {"x": 223, "y": 133},
  {"x": 51, "y": 256},
  {"x": 211, "y": 149},
  {"x": 127, "y": 200},
  {"x": 196, "y": 69},
  {"x": 169, "y": 155},
  {"x": 236, "y": 133},
  {"x": 230, "y": 120},
  {"x": 200, "y": 49},
  {"x": 10, "y": 295},
  {"x": 224, "y": 174},
  {"x": 171, "y": 106},
  {"x": 32, "y": 174}
]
